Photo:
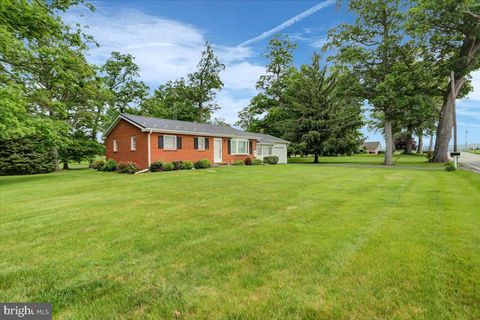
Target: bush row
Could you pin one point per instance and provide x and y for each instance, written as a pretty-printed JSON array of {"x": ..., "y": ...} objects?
[
  {"x": 111, "y": 165},
  {"x": 158, "y": 166}
]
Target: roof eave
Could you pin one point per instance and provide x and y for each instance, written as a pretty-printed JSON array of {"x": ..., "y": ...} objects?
[{"x": 116, "y": 121}]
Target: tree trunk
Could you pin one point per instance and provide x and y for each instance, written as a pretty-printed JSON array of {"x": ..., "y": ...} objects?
[
  {"x": 56, "y": 167},
  {"x": 315, "y": 159},
  {"x": 65, "y": 165},
  {"x": 388, "y": 142},
  {"x": 445, "y": 124},
  {"x": 420, "y": 144},
  {"x": 408, "y": 144}
]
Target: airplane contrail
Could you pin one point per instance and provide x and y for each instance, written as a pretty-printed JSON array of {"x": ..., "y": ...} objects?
[{"x": 288, "y": 23}]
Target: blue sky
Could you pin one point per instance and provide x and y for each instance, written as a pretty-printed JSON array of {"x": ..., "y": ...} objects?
[{"x": 167, "y": 37}]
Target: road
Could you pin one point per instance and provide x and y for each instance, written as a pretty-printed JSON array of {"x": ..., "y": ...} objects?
[{"x": 470, "y": 161}]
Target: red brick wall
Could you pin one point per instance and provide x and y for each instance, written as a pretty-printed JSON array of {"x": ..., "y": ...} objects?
[
  {"x": 122, "y": 133},
  {"x": 124, "y": 130},
  {"x": 189, "y": 153}
]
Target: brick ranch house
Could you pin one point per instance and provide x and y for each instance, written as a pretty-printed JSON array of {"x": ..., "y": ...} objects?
[{"x": 146, "y": 139}]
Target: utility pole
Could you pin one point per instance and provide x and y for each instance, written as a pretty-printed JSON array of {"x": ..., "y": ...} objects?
[
  {"x": 455, "y": 154},
  {"x": 466, "y": 144},
  {"x": 454, "y": 113}
]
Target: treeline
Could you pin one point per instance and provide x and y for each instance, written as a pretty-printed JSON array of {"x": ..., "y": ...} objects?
[
  {"x": 314, "y": 107},
  {"x": 50, "y": 95},
  {"x": 398, "y": 56}
]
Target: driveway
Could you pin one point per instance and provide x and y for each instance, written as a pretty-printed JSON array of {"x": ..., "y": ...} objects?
[{"x": 470, "y": 161}]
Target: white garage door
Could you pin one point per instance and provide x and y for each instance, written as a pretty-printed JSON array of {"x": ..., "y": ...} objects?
[{"x": 280, "y": 150}]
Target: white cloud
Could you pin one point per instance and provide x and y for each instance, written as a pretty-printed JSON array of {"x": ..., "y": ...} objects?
[
  {"x": 164, "y": 49},
  {"x": 242, "y": 76},
  {"x": 231, "y": 105},
  {"x": 167, "y": 49},
  {"x": 318, "y": 42}
]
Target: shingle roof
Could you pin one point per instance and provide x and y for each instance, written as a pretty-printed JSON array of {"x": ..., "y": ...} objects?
[
  {"x": 266, "y": 138},
  {"x": 371, "y": 145},
  {"x": 166, "y": 125}
]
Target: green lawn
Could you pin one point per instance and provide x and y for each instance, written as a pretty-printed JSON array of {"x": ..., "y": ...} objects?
[
  {"x": 400, "y": 160},
  {"x": 266, "y": 242},
  {"x": 475, "y": 151}
]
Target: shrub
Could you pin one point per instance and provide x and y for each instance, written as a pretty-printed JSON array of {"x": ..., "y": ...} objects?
[
  {"x": 270, "y": 160},
  {"x": 450, "y": 167},
  {"x": 248, "y": 161},
  {"x": 156, "y": 166},
  {"x": 202, "y": 164},
  {"x": 97, "y": 165},
  {"x": 110, "y": 165},
  {"x": 257, "y": 162},
  {"x": 381, "y": 152},
  {"x": 127, "y": 167},
  {"x": 168, "y": 166},
  {"x": 177, "y": 165},
  {"x": 28, "y": 155},
  {"x": 187, "y": 165},
  {"x": 238, "y": 163}
]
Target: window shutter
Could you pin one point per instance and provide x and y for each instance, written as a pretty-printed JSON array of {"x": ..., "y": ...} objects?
[
  {"x": 179, "y": 142},
  {"x": 160, "y": 142},
  {"x": 229, "y": 144},
  {"x": 250, "y": 146},
  {"x": 195, "y": 143},
  {"x": 206, "y": 143}
]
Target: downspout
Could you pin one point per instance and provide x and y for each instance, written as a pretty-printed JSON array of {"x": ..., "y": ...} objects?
[{"x": 149, "y": 157}]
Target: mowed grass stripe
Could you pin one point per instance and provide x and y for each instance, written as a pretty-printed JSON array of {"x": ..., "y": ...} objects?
[{"x": 276, "y": 242}]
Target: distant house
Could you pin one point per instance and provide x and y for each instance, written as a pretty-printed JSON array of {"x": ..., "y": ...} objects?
[
  {"x": 145, "y": 140},
  {"x": 372, "y": 147}
]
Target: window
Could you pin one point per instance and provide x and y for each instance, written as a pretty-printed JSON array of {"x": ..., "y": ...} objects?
[
  {"x": 170, "y": 142},
  {"x": 115, "y": 146},
  {"x": 264, "y": 150},
  {"x": 201, "y": 143},
  {"x": 133, "y": 143},
  {"x": 239, "y": 146}
]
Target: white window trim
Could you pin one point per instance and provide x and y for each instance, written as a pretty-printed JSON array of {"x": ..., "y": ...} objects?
[
  {"x": 165, "y": 145},
  {"x": 115, "y": 145},
  {"x": 133, "y": 143},
  {"x": 234, "y": 152},
  {"x": 260, "y": 149},
  {"x": 198, "y": 143}
]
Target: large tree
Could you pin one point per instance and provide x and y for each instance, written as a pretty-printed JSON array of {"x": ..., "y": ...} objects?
[
  {"x": 45, "y": 79},
  {"x": 126, "y": 92},
  {"x": 267, "y": 110},
  {"x": 204, "y": 84},
  {"x": 371, "y": 46},
  {"x": 171, "y": 101},
  {"x": 451, "y": 29},
  {"x": 326, "y": 121}
]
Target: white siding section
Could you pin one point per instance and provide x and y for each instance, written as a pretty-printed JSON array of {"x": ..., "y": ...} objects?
[{"x": 278, "y": 149}]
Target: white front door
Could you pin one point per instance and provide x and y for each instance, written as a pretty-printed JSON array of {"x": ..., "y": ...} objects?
[{"x": 217, "y": 150}]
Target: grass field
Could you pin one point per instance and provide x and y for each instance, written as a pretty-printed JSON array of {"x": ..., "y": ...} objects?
[
  {"x": 400, "y": 160},
  {"x": 475, "y": 151},
  {"x": 266, "y": 242}
]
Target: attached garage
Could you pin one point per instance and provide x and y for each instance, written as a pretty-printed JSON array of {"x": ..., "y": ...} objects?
[
  {"x": 268, "y": 145},
  {"x": 280, "y": 150}
]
